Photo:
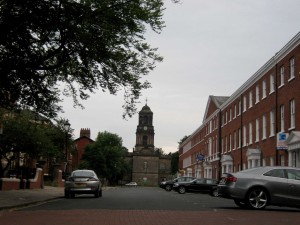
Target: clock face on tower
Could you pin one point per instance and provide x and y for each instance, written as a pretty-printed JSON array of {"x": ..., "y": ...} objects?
[{"x": 145, "y": 127}]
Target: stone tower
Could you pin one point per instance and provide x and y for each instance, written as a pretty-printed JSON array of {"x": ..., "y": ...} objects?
[
  {"x": 145, "y": 162},
  {"x": 145, "y": 131}
]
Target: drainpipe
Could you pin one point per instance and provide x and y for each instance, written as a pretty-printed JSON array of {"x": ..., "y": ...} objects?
[
  {"x": 241, "y": 110},
  {"x": 276, "y": 111},
  {"x": 220, "y": 142}
]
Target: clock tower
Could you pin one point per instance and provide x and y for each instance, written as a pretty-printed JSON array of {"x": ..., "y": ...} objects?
[
  {"x": 145, "y": 131},
  {"x": 149, "y": 167}
]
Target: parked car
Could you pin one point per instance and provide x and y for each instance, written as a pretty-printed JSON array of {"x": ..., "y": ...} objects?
[
  {"x": 168, "y": 184},
  {"x": 83, "y": 182},
  {"x": 259, "y": 187},
  {"x": 197, "y": 185},
  {"x": 131, "y": 184}
]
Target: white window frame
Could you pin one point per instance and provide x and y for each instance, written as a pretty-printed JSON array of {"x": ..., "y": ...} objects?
[
  {"x": 257, "y": 130},
  {"x": 223, "y": 119},
  {"x": 282, "y": 160},
  {"x": 282, "y": 118},
  {"x": 230, "y": 114},
  {"x": 250, "y": 99},
  {"x": 272, "y": 161},
  {"x": 292, "y": 114},
  {"x": 244, "y": 103},
  {"x": 272, "y": 84},
  {"x": 292, "y": 68},
  {"x": 250, "y": 133},
  {"x": 209, "y": 146},
  {"x": 216, "y": 144},
  {"x": 264, "y": 128},
  {"x": 272, "y": 123},
  {"x": 239, "y": 138},
  {"x": 234, "y": 140},
  {"x": 264, "y": 89},
  {"x": 234, "y": 111},
  {"x": 244, "y": 136},
  {"x": 281, "y": 76},
  {"x": 230, "y": 143},
  {"x": 226, "y": 143},
  {"x": 257, "y": 94}
]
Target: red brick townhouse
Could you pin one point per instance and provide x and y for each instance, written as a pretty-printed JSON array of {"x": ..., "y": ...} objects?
[{"x": 259, "y": 124}]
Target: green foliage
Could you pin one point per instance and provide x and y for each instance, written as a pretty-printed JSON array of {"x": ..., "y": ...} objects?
[
  {"x": 183, "y": 139},
  {"x": 106, "y": 157},
  {"x": 159, "y": 151},
  {"x": 174, "y": 162},
  {"x": 80, "y": 46},
  {"x": 27, "y": 132}
]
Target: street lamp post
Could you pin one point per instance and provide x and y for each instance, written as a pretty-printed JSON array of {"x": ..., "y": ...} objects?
[{"x": 67, "y": 127}]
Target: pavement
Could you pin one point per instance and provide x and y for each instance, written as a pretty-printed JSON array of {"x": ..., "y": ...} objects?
[{"x": 20, "y": 198}]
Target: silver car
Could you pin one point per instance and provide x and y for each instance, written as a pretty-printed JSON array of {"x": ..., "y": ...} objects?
[
  {"x": 83, "y": 182},
  {"x": 259, "y": 187}
]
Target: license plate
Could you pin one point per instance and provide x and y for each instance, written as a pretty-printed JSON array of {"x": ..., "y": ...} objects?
[{"x": 80, "y": 185}]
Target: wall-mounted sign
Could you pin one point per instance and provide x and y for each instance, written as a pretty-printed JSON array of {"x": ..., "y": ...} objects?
[
  {"x": 200, "y": 157},
  {"x": 281, "y": 141}
]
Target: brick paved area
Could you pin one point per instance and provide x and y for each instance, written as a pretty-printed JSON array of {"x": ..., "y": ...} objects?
[{"x": 149, "y": 217}]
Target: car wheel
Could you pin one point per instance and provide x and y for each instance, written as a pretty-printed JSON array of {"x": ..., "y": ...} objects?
[
  {"x": 168, "y": 187},
  {"x": 215, "y": 193},
  {"x": 97, "y": 194},
  {"x": 100, "y": 193},
  {"x": 240, "y": 203},
  {"x": 257, "y": 198},
  {"x": 72, "y": 195},
  {"x": 181, "y": 190}
]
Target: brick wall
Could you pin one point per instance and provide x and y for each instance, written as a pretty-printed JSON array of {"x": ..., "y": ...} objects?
[{"x": 252, "y": 126}]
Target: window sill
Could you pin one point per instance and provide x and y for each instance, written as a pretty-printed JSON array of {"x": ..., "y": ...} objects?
[
  {"x": 291, "y": 128},
  {"x": 292, "y": 78}
]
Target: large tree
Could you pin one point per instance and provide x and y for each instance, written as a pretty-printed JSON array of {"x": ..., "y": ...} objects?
[
  {"x": 174, "y": 162},
  {"x": 75, "y": 47},
  {"x": 25, "y": 132},
  {"x": 106, "y": 157}
]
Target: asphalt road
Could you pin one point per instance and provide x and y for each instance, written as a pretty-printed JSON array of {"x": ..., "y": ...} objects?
[
  {"x": 140, "y": 198},
  {"x": 143, "y": 206}
]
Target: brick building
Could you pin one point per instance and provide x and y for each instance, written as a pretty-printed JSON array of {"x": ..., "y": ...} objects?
[
  {"x": 80, "y": 143},
  {"x": 257, "y": 125}
]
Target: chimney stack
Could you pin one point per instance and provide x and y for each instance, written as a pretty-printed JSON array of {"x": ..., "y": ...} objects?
[{"x": 85, "y": 132}]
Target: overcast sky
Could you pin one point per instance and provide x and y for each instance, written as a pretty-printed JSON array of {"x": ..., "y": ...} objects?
[{"x": 209, "y": 48}]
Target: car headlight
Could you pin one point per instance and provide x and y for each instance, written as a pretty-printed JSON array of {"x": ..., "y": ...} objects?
[
  {"x": 176, "y": 185},
  {"x": 163, "y": 183}
]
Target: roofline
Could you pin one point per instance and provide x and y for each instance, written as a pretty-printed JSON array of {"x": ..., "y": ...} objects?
[{"x": 266, "y": 67}]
